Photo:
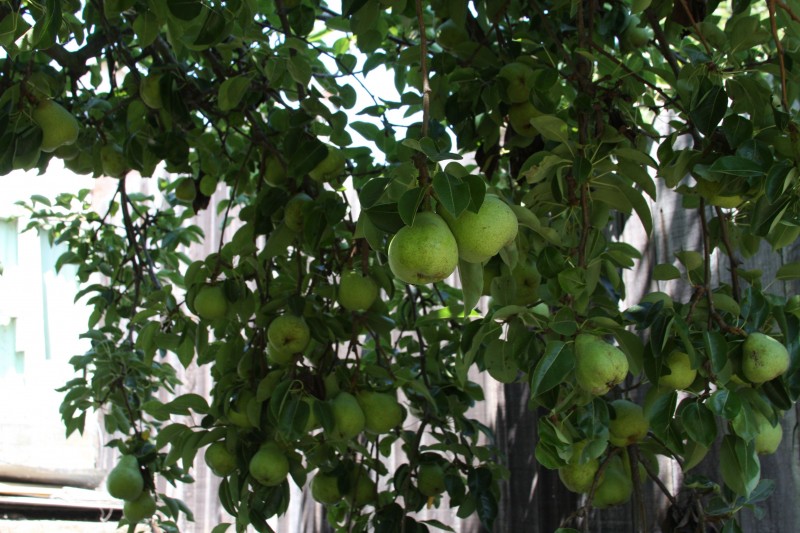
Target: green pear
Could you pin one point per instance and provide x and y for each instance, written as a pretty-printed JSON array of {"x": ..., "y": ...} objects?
[
  {"x": 219, "y": 459},
  {"x": 125, "y": 480},
  {"x": 329, "y": 168},
  {"x": 363, "y": 488},
  {"x": 599, "y": 366},
  {"x": 275, "y": 172},
  {"x": 681, "y": 374},
  {"x": 616, "y": 487},
  {"x": 150, "y": 91},
  {"x": 356, "y": 291},
  {"x": 520, "y": 78},
  {"x": 520, "y": 115},
  {"x": 763, "y": 358},
  {"x": 59, "y": 126},
  {"x": 629, "y": 425},
  {"x": 185, "y": 190},
  {"x": 236, "y": 411},
  {"x": 481, "y": 235},
  {"x": 294, "y": 214},
  {"x": 348, "y": 418},
  {"x": 279, "y": 357},
  {"x": 325, "y": 488},
  {"x": 142, "y": 508},
  {"x": 425, "y": 252},
  {"x": 769, "y": 437},
  {"x": 113, "y": 161},
  {"x": 526, "y": 280},
  {"x": 382, "y": 411},
  {"x": 210, "y": 302},
  {"x": 269, "y": 465},
  {"x": 579, "y": 477},
  {"x": 430, "y": 479},
  {"x": 289, "y": 333}
]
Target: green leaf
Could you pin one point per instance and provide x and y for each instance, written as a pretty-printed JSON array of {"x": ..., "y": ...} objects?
[
  {"x": 499, "y": 361},
  {"x": 409, "y": 203},
  {"x": 789, "y": 271},
  {"x": 551, "y": 128},
  {"x": 708, "y": 109},
  {"x": 739, "y": 465},
  {"x": 185, "y": 9},
  {"x": 45, "y": 31},
  {"x": 231, "y": 92},
  {"x": 453, "y": 194},
  {"x": 299, "y": 69},
  {"x": 698, "y": 422},
  {"x": 552, "y": 368},
  {"x": 477, "y": 191},
  {"x": 664, "y": 272},
  {"x": 725, "y": 404},
  {"x": 186, "y": 402},
  {"x": 471, "y": 276}
]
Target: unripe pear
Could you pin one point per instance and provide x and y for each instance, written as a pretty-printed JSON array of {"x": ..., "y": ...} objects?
[
  {"x": 681, "y": 372},
  {"x": 59, "y": 126},
  {"x": 599, "y": 366},
  {"x": 219, "y": 459},
  {"x": 425, "y": 252},
  {"x": 150, "y": 91},
  {"x": 763, "y": 358},
  {"x": 579, "y": 477},
  {"x": 520, "y": 78},
  {"x": 329, "y": 168},
  {"x": 289, "y": 333},
  {"x": 269, "y": 466},
  {"x": 325, "y": 488},
  {"x": 357, "y": 292},
  {"x": 348, "y": 418},
  {"x": 210, "y": 302},
  {"x": 294, "y": 214},
  {"x": 481, "y": 235},
  {"x": 629, "y": 425},
  {"x": 616, "y": 487},
  {"x": 141, "y": 508},
  {"x": 382, "y": 411},
  {"x": 362, "y": 490},
  {"x": 125, "y": 480},
  {"x": 430, "y": 479},
  {"x": 769, "y": 437}
]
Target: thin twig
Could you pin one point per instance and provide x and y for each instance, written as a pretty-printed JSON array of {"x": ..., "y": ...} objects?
[
  {"x": 726, "y": 241},
  {"x": 779, "y": 47}
]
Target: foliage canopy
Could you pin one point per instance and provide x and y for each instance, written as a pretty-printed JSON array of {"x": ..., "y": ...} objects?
[{"x": 573, "y": 113}]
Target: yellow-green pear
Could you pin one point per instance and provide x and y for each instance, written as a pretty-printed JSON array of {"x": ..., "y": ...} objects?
[
  {"x": 526, "y": 282},
  {"x": 382, "y": 411},
  {"x": 59, "y": 126},
  {"x": 616, "y": 487},
  {"x": 579, "y": 476},
  {"x": 294, "y": 214},
  {"x": 481, "y": 235},
  {"x": 329, "y": 168},
  {"x": 269, "y": 466},
  {"x": 348, "y": 417},
  {"x": 520, "y": 115},
  {"x": 356, "y": 291},
  {"x": 275, "y": 172},
  {"x": 430, "y": 479},
  {"x": 142, "y": 508},
  {"x": 769, "y": 437},
  {"x": 210, "y": 302},
  {"x": 125, "y": 480},
  {"x": 599, "y": 366},
  {"x": 520, "y": 81},
  {"x": 325, "y": 488},
  {"x": 681, "y": 374},
  {"x": 628, "y": 425},
  {"x": 113, "y": 161},
  {"x": 763, "y": 358},
  {"x": 219, "y": 459},
  {"x": 363, "y": 488},
  {"x": 425, "y": 252},
  {"x": 279, "y": 357},
  {"x": 150, "y": 91},
  {"x": 185, "y": 190},
  {"x": 289, "y": 333}
]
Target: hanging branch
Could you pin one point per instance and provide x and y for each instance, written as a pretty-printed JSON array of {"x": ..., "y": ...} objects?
[
  {"x": 420, "y": 159},
  {"x": 781, "y": 60},
  {"x": 734, "y": 263}
]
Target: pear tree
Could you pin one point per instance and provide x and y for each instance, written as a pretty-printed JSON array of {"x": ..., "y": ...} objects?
[{"x": 415, "y": 201}]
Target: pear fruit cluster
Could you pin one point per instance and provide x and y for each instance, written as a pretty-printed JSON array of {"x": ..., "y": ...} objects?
[
  {"x": 357, "y": 292},
  {"x": 125, "y": 482},
  {"x": 428, "y": 251}
]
